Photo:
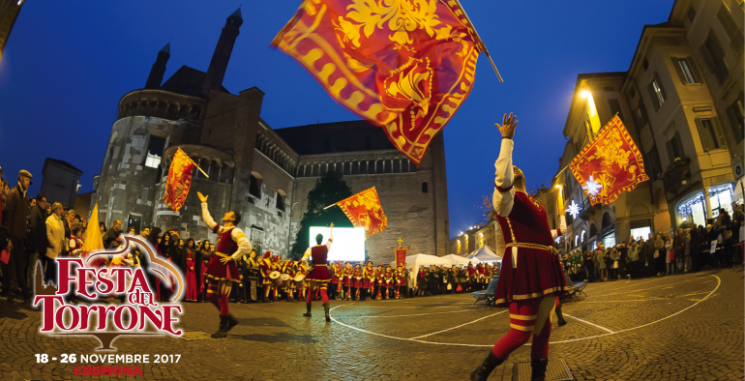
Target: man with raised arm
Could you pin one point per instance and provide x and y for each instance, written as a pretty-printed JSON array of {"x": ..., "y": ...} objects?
[
  {"x": 222, "y": 270},
  {"x": 531, "y": 276},
  {"x": 319, "y": 275}
]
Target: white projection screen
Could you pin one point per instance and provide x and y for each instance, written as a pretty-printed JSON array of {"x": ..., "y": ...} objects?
[{"x": 348, "y": 243}]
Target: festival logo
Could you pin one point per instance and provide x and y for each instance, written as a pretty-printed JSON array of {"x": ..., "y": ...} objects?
[{"x": 90, "y": 282}]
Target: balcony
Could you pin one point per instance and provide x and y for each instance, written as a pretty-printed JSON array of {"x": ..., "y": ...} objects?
[{"x": 676, "y": 175}]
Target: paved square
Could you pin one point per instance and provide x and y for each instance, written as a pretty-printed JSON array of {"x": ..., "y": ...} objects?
[{"x": 683, "y": 327}]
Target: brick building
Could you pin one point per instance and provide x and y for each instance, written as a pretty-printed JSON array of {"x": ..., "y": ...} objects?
[{"x": 263, "y": 173}]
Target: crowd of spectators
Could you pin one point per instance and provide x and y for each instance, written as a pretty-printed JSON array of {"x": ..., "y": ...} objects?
[{"x": 687, "y": 249}]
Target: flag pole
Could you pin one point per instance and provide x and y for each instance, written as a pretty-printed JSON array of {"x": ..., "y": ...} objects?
[
  {"x": 195, "y": 164},
  {"x": 329, "y": 206},
  {"x": 481, "y": 41}
]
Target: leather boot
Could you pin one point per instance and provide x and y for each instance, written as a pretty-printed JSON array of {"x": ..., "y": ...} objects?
[
  {"x": 482, "y": 372},
  {"x": 538, "y": 367},
  {"x": 326, "y": 310},
  {"x": 222, "y": 332},
  {"x": 230, "y": 322},
  {"x": 307, "y": 307},
  {"x": 562, "y": 322}
]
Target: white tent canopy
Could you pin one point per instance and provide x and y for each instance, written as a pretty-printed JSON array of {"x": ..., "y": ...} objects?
[
  {"x": 418, "y": 260},
  {"x": 459, "y": 260},
  {"x": 485, "y": 254}
]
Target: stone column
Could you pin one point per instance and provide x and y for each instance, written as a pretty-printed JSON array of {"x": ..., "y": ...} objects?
[{"x": 708, "y": 202}]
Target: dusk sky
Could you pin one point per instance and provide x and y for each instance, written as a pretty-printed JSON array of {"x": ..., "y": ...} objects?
[{"x": 68, "y": 63}]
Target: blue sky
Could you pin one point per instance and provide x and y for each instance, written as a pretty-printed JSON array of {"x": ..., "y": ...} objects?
[{"x": 67, "y": 64}]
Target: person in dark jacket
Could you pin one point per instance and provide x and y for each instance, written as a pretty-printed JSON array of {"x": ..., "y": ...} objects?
[
  {"x": 38, "y": 236},
  {"x": 109, "y": 239},
  {"x": 695, "y": 248},
  {"x": 646, "y": 258},
  {"x": 15, "y": 220},
  {"x": 422, "y": 278}
]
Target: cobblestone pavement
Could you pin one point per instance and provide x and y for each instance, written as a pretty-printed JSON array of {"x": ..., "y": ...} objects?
[{"x": 683, "y": 327}]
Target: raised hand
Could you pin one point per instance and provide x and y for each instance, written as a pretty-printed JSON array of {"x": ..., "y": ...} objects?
[
  {"x": 509, "y": 123},
  {"x": 202, "y": 197}
]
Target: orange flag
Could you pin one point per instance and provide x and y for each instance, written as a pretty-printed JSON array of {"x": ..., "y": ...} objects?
[
  {"x": 365, "y": 211},
  {"x": 609, "y": 165},
  {"x": 404, "y": 65},
  {"x": 179, "y": 181}
]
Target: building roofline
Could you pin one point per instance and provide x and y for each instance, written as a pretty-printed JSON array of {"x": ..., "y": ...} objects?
[{"x": 61, "y": 163}]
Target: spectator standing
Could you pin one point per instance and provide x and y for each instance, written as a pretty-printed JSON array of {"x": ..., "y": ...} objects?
[
  {"x": 659, "y": 255},
  {"x": 38, "y": 242},
  {"x": 742, "y": 240},
  {"x": 596, "y": 263},
  {"x": 589, "y": 266},
  {"x": 109, "y": 239},
  {"x": 17, "y": 225},
  {"x": 600, "y": 255},
  {"x": 633, "y": 253},
  {"x": 647, "y": 257},
  {"x": 687, "y": 266},
  {"x": 728, "y": 237},
  {"x": 614, "y": 262},
  {"x": 695, "y": 248},
  {"x": 55, "y": 229}
]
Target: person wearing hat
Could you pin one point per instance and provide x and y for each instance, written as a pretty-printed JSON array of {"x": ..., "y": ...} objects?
[
  {"x": 368, "y": 273},
  {"x": 15, "y": 211}
]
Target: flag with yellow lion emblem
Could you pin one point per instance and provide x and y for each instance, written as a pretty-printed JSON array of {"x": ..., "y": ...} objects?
[
  {"x": 609, "y": 165},
  {"x": 179, "y": 181},
  {"x": 404, "y": 65},
  {"x": 364, "y": 211}
]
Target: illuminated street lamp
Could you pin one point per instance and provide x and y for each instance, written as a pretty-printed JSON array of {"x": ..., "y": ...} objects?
[{"x": 592, "y": 111}]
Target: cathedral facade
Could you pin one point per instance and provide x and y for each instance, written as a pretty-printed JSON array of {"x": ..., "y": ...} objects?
[{"x": 263, "y": 173}]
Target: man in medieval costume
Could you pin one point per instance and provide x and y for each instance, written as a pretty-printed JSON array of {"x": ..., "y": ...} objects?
[
  {"x": 222, "y": 270},
  {"x": 531, "y": 276},
  {"x": 319, "y": 275}
]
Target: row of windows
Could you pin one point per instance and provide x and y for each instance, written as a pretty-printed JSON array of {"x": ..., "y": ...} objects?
[
  {"x": 362, "y": 167},
  {"x": 276, "y": 155},
  {"x": 160, "y": 109}
]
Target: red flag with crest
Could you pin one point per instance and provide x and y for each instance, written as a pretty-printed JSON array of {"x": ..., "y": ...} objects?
[
  {"x": 404, "y": 65},
  {"x": 364, "y": 211},
  {"x": 179, "y": 181},
  {"x": 609, "y": 165}
]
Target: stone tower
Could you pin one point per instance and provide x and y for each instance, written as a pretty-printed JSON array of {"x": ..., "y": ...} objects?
[
  {"x": 223, "y": 50},
  {"x": 159, "y": 68}
]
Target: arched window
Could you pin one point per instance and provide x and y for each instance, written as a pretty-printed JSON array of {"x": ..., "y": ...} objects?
[
  {"x": 355, "y": 167},
  {"x": 314, "y": 169},
  {"x": 254, "y": 187},
  {"x": 363, "y": 167},
  {"x": 397, "y": 166},
  {"x": 379, "y": 166}
]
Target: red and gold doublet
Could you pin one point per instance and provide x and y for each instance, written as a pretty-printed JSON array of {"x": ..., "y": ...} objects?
[
  {"x": 320, "y": 272},
  {"x": 217, "y": 270},
  {"x": 538, "y": 272}
]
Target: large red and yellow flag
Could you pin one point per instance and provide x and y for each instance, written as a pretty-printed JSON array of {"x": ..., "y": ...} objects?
[
  {"x": 179, "y": 181},
  {"x": 404, "y": 65},
  {"x": 609, "y": 165},
  {"x": 365, "y": 211}
]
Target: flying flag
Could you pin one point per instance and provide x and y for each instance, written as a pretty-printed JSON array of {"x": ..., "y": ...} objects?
[
  {"x": 364, "y": 211},
  {"x": 179, "y": 181},
  {"x": 609, "y": 165},
  {"x": 404, "y": 65}
]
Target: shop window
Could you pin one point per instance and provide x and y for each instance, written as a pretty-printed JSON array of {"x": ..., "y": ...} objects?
[
  {"x": 720, "y": 198},
  {"x": 693, "y": 209}
]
